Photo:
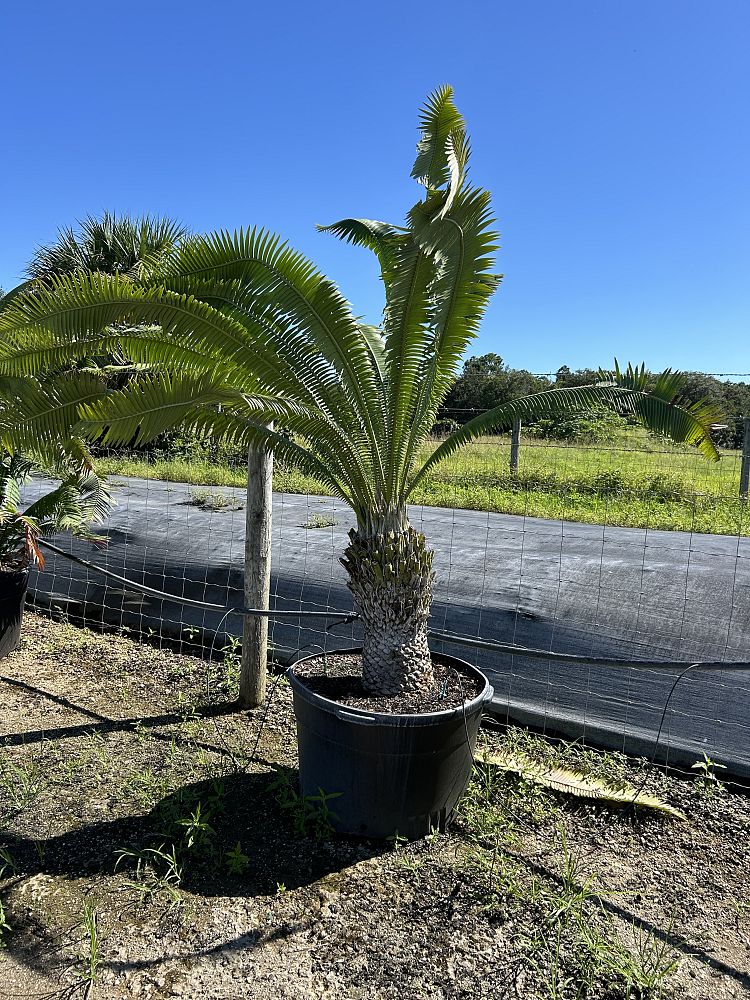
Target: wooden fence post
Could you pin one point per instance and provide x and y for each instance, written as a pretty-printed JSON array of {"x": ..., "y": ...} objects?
[
  {"x": 745, "y": 468},
  {"x": 515, "y": 445},
  {"x": 257, "y": 576}
]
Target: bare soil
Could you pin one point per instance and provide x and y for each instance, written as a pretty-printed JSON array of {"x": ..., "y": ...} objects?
[{"x": 131, "y": 789}]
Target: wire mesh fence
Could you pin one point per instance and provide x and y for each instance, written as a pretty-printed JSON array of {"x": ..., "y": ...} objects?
[{"x": 627, "y": 552}]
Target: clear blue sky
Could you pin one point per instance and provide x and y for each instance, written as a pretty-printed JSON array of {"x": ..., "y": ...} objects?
[{"x": 613, "y": 136}]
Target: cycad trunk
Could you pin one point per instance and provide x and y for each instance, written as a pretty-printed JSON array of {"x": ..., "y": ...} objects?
[{"x": 390, "y": 577}]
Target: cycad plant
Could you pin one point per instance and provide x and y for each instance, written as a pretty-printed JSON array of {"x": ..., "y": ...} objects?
[
  {"x": 78, "y": 501},
  {"x": 247, "y": 338}
]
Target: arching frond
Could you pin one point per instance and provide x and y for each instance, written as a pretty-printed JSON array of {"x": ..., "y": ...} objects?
[
  {"x": 151, "y": 405},
  {"x": 657, "y": 413},
  {"x": 380, "y": 237},
  {"x": 242, "y": 429},
  {"x": 286, "y": 280},
  {"x": 40, "y": 417}
]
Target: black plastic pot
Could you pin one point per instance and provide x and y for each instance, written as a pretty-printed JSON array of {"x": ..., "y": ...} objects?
[
  {"x": 12, "y": 596},
  {"x": 396, "y": 773}
]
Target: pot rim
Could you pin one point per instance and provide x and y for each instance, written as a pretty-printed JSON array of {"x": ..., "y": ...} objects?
[{"x": 389, "y": 718}]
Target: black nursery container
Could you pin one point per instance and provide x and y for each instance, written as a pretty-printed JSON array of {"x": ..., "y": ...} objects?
[
  {"x": 12, "y": 596},
  {"x": 396, "y": 773}
]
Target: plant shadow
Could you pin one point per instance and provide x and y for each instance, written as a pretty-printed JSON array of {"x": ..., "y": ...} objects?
[{"x": 236, "y": 835}]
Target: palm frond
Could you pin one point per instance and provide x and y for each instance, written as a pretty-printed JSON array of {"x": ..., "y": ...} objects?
[
  {"x": 574, "y": 783},
  {"x": 39, "y": 417},
  {"x": 285, "y": 280},
  {"x": 380, "y": 237},
  {"x": 658, "y": 414},
  {"x": 438, "y": 119},
  {"x": 112, "y": 244}
]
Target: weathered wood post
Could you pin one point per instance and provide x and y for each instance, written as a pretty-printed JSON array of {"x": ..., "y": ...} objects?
[
  {"x": 515, "y": 445},
  {"x": 257, "y": 576},
  {"x": 745, "y": 467}
]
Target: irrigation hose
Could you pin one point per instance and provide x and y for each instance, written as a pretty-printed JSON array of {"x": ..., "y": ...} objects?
[{"x": 445, "y": 637}]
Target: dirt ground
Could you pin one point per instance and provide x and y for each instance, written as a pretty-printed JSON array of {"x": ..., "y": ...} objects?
[{"x": 153, "y": 844}]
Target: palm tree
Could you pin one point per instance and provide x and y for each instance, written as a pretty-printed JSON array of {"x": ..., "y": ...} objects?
[
  {"x": 249, "y": 339},
  {"x": 115, "y": 244}
]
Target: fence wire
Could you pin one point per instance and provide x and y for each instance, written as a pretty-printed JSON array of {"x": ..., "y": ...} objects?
[{"x": 662, "y": 576}]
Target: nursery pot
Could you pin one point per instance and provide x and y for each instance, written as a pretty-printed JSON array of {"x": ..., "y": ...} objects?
[
  {"x": 12, "y": 596},
  {"x": 396, "y": 774}
]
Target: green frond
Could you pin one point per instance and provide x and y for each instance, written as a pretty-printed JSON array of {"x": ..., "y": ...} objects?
[
  {"x": 150, "y": 405},
  {"x": 438, "y": 120},
  {"x": 238, "y": 429},
  {"x": 285, "y": 280},
  {"x": 76, "y": 503},
  {"x": 658, "y": 415},
  {"x": 406, "y": 330},
  {"x": 40, "y": 416},
  {"x": 380, "y": 237},
  {"x": 111, "y": 244}
]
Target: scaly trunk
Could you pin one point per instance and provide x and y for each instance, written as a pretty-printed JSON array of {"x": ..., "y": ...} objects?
[{"x": 390, "y": 577}]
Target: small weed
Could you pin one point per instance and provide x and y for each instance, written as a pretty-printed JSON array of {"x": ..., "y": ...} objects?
[
  {"x": 741, "y": 909},
  {"x": 645, "y": 966},
  {"x": 706, "y": 779},
  {"x": 22, "y": 783},
  {"x": 409, "y": 862},
  {"x": 214, "y": 500},
  {"x": 433, "y": 836},
  {"x": 320, "y": 521},
  {"x": 232, "y": 665},
  {"x": 40, "y": 846},
  {"x": 89, "y": 959},
  {"x": 237, "y": 861},
  {"x": 157, "y": 871},
  {"x": 146, "y": 788},
  {"x": 575, "y": 890},
  {"x": 8, "y": 862},
  {"x": 4, "y": 926},
  {"x": 281, "y": 889},
  {"x": 191, "y": 634},
  {"x": 141, "y": 732},
  {"x": 311, "y": 814},
  {"x": 199, "y": 833}
]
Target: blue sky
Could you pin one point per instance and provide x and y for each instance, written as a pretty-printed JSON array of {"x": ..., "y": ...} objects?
[{"x": 613, "y": 136}]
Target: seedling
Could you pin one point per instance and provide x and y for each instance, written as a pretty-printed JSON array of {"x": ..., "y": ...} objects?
[
  {"x": 8, "y": 862},
  {"x": 706, "y": 778},
  {"x": 232, "y": 663},
  {"x": 198, "y": 831},
  {"x": 4, "y": 926},
  {"x": 237, "y": 861},
  {"x": 90, "y": 959},
  {"x": 22, "y": 783},
  {"x": 311, "y": 813},
  {"x": 149, "y": 880}
]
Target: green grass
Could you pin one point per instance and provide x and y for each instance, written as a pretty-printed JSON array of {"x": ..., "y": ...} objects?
[{"x": 638, "y": 482}]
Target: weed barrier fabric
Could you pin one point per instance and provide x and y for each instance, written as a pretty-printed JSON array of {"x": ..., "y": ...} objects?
[{"x": 554, "y": 585}]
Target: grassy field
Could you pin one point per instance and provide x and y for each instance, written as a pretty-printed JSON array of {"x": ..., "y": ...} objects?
[{"x": 637, "y": 482}]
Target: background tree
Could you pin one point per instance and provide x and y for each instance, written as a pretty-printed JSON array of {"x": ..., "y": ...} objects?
[
  {"x": 112, "y": 244},
  {"x": 485, "y": 382}
]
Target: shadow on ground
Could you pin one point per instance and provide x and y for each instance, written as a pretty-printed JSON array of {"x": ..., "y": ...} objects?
[{"x": 237, "y": 809}]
